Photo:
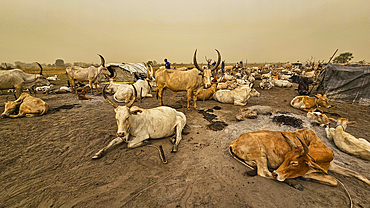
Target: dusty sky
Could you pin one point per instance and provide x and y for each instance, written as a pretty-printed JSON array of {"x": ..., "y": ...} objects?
[{"x": 138, "y": 30}]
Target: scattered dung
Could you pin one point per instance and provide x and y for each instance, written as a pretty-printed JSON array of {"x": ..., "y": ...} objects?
[
  {"x": 287, "y": 120},
  {"x": 217, "y": 125},
  {"x": 217, "y": 107},
  {"x": 209, "y": 117}
]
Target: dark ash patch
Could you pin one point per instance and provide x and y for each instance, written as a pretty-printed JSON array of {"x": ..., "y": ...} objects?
[
  {"x": 287, "y": 120},
  {"x": 214, "y": 125}
]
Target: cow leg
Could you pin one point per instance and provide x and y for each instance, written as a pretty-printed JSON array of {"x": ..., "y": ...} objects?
[
  {"x": 137, "y": 141},
  {"x": 189, "y": 94},
  {"x": 160, "y": 93},
  {"x": 20, "y": 114},
  {"x": 179, "y": 127},
  {"x": 91, "y": 87},
  {"x": 262, "y": 169},
  {"x": 236, "y": 102},
  {"x": 111, "y": 144},
  {"x": 321, "y": 178},
  {"x": 73, "y": 86}
]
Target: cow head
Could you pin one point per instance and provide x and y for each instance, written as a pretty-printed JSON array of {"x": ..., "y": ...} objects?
[
  {"x": 151, "y": 80},
  {"x": 207, "y": 73},
  {"x": 123, "y": 114},
  {"x": 254, "y": 92},
  {"x": 10, "y": 107},
  {"x": 296, "y": 162},
  {"x": 102, "y": 69},
  {"x": 343, "y": 122},
  {"x": 322, "y": 100}
]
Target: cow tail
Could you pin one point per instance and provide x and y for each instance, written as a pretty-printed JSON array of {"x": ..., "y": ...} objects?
[{"x": 238, "y": 158}]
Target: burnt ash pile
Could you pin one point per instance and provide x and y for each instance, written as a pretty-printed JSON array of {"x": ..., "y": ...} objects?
[
  {"x": 287, "y": 120},
  {"x": 214, "y": 125}
]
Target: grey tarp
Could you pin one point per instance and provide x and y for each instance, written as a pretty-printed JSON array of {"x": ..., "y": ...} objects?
[
  {"x": 348, "y": 84},
  {"x": 125, "y": 71}
]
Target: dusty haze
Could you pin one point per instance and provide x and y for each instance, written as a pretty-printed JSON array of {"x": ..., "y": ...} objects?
[{"x": 137, "y": 31}]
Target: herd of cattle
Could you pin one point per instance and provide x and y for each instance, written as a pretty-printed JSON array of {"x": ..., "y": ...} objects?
[{"x": 289, "y": 154}]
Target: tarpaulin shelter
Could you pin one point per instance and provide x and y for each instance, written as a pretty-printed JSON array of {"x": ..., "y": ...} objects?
[
  {"x": 126, "y": 71},
  {"x": 349, "y": 84}
]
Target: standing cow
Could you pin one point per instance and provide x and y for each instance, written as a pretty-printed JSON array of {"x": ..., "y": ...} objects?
[
  {"x": 191, "y": 81},
  {"x": 90, "y": 74},
  {"x": 19, "y": 80}
]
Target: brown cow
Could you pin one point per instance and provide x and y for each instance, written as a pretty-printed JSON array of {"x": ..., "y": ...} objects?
[
  {"x": 191, "y": 81},
  {"x": 310, "y": 104},
  {"x": 206, "y": 94},
  {"x": 27, "y": 105},
  {"x": 288, "y": 155}
]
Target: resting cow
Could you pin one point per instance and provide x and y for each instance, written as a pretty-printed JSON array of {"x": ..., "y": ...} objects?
[
  {"x": 237, "y": 96},
  {"x": 289, "y": 156},
  {"x": 27, "y": 105},
  {"x": 346, "y": 142},
  {"x": 135, "y": 125},
  {"x": 206, "y": 94},
  {"x": 310, "y": 104},
  {"x": 319, "y": 118}
]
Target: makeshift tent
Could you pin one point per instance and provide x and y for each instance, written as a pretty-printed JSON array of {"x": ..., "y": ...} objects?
[
  {"x": 350, "y": 84},
  {"x": 126, "y": 71}
]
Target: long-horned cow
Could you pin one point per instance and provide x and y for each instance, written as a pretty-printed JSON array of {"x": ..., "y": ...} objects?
[
  {"x": 288, "y": 155},
  {"x": 191, "y": 81},
  {"x": 141, "y": 124},
  {"x": 19, "y": 80},
  {"x": 90, "y": 74}
]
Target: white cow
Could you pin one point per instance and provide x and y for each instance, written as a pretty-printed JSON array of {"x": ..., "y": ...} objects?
[
  {"x": 135, "y": 125},
  {"x": 19, "y": 80},
  {"x": 126, "y": 92},
  {"x": 237, "y": 96},
  {"x": 281, "y": 83},
  {"x": 346, "y": 142},
  {"x": 266, "y": 84}
]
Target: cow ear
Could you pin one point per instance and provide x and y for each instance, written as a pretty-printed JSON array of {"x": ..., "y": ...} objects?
[
  {"x": 316, "y": 167},
  {"x": 200, "y": 73},
  {"x": 135, "y": 112}
]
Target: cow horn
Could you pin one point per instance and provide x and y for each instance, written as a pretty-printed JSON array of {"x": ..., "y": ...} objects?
[
  {"x": 40, "y": 67},
  {"x": 133, "y": 99},
  {"x": 109, "y": 101},
  {"x": 151, "y": 71},
  {"x": 218, "y": 60},
  {"x": 290, "y": 142},
  {"x": 147, "y": 71},
  {"x": 102, "y": 60},
  {"x": 195, "y": 61},
  {"x": 305, "y": 147}
]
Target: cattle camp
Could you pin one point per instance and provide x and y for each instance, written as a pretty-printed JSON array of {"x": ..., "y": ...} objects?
[
  {"x": 184, "y": 104},
  {"x": 189, "y": 137}
]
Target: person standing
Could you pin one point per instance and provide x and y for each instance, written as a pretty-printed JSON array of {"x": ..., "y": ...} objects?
[
  {"x": 167, "y": 64},
  {"x": 222, "y": 66}
]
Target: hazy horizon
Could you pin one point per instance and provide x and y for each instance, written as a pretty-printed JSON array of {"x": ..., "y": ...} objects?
[{"x": 139, "y": 31}]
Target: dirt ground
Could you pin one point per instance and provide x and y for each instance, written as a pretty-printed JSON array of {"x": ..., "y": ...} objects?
[{"x": 46, "y": 161}]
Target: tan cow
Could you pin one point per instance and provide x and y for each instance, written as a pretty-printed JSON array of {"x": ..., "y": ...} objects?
[
  {"x": 318, "y": 117},
  {"x": 288, "y": 155},
  {"x": 90, "y": 74},
  {"x": 307, "y": 103},
  {"x": 191, "y": 81},
  {"x": 346, "y": 142},
  {"x": 207, "y": 94},
  {"x": 27, "y": 105}
]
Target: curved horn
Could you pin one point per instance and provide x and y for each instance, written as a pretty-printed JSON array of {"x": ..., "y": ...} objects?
[
  {"x": 102, "y": 60},
  {"x": 290, "y": 142},
  {"x": 40, "y": 67},
  {"x": 305, "y": 147},
  {"x": 218, "y": 60},
  {"x": 133, "y": 99},
  {"x": 195, "y": 61},
  {"x": 147, "y": 71},
  {"x": 109, "y": 101}
]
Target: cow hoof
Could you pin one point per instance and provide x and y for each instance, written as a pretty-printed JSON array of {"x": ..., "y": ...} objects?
[
  {"x": 173, "y": 140},
  {"x": 174, "y": 150},
  {"x": 95, "y": 157}
]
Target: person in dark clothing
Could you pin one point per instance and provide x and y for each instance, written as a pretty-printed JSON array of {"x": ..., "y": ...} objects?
[
  {"x": 167, "y": 65},
  {"x": 222, "y": 66},
  {"x": 304, "y": 86}
]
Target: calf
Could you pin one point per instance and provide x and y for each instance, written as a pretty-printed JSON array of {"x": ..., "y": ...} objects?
[
  {"x": 346, "y": 142},
  {"x": 310, "y": 103},
  {"x": 27, "y": 105},
  {"x": 319, "y": 118},
  {"x": 237, "y": 96},
  {"x": 141, "y": 124},
  {"x": 288, "y": 155},
  {"x": 253, "y": 111},
  {"x": 206, "y": 94}
]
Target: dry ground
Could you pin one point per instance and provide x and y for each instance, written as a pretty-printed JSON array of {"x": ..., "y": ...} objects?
[{"x": 46, "y": 161}]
